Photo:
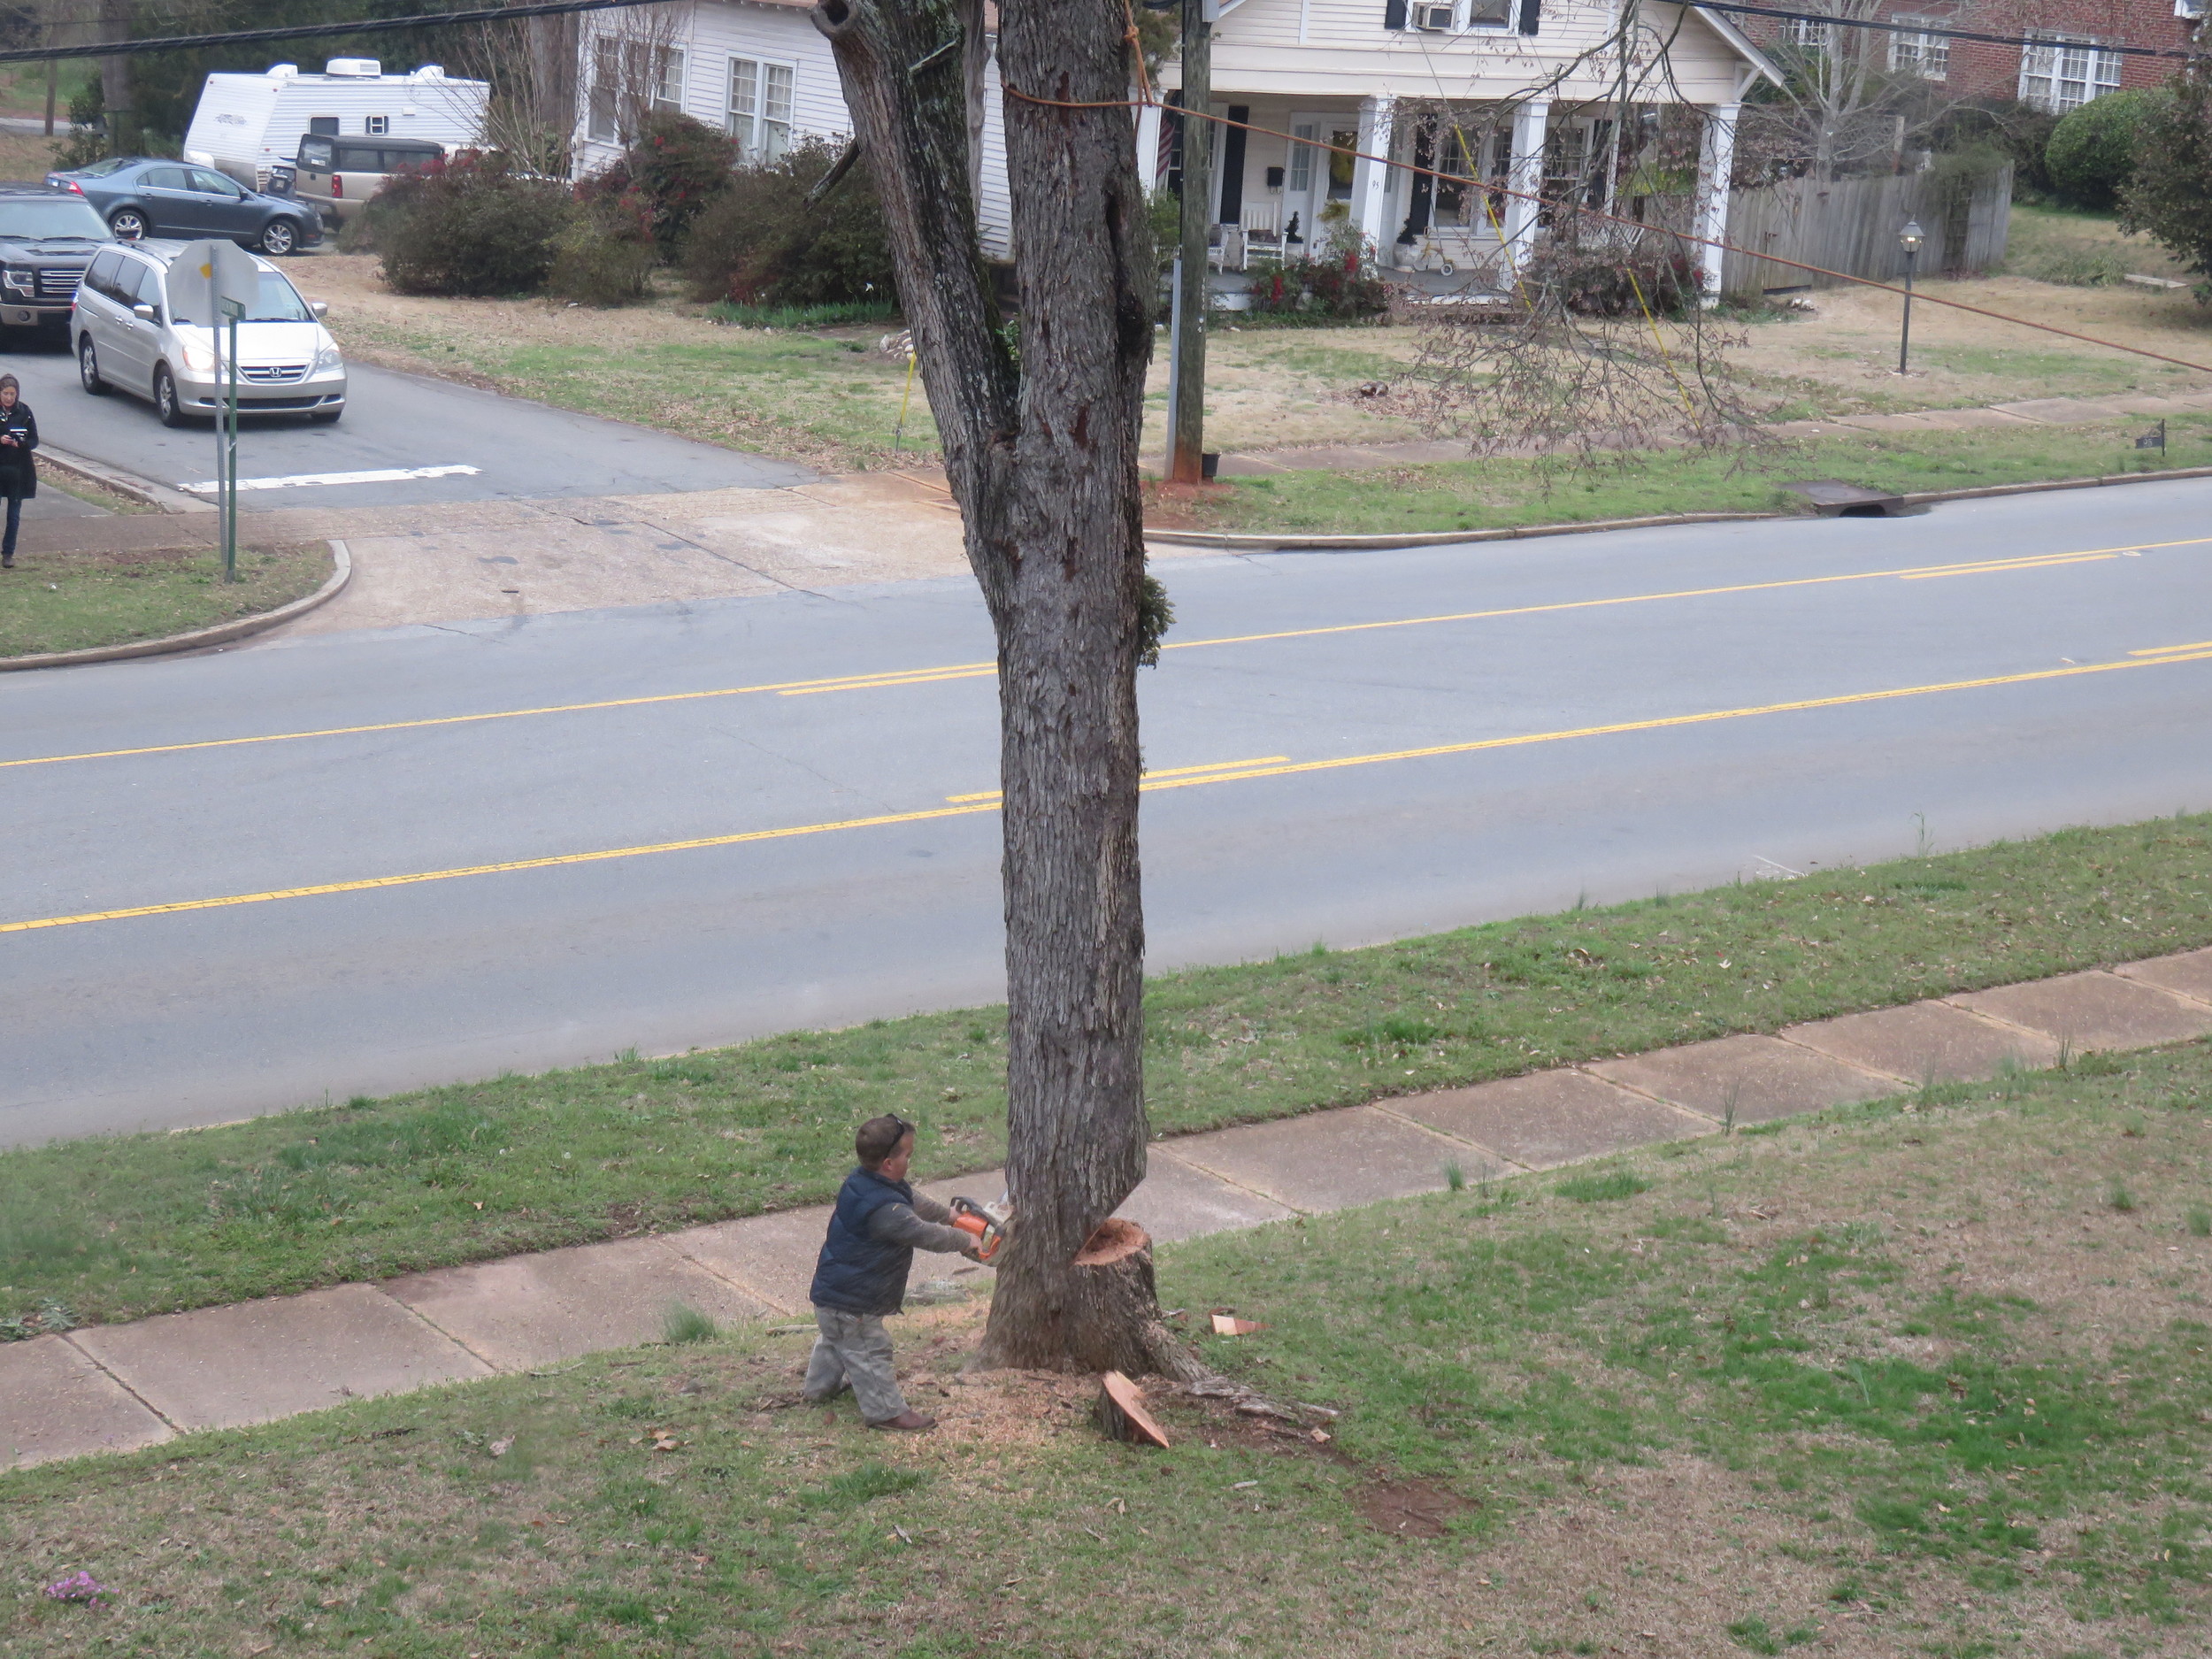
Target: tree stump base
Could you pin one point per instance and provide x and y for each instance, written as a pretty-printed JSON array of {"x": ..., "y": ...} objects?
[{"x": 1102, "y": 1313}]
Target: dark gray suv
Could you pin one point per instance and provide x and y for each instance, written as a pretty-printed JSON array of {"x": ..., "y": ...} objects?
[
  {"x": 147, "y": 197},
  {"x": 47, "y": 238}
]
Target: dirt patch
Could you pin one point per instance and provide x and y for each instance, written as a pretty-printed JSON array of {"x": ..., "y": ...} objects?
[{"x": 1411, "y": 1508}]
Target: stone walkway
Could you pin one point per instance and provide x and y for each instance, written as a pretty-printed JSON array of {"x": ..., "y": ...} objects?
[
  {"x": 117, "y": 1387},
  {"x": 2035, "y": 411}
]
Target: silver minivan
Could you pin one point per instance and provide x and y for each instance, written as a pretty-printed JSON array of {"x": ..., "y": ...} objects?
[{"x": 141, "y": 323}]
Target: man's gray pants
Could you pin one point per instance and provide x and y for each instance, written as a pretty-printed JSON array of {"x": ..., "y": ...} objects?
[{"x": 854, "y": 1348}]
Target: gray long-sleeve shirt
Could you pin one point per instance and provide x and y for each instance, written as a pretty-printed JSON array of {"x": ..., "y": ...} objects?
[{"x": 924, "y": 1225}]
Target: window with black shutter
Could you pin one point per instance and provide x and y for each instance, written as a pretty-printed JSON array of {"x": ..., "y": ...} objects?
[
  {"x": 1531, "y": 12},
  {"x": 1394, "y": 14}
]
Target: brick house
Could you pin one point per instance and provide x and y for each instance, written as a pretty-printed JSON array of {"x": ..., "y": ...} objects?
[{"x": 2073, "y": 68}]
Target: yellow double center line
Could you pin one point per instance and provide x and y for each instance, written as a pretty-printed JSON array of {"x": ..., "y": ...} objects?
[
  {"x": 1177, "y": 778},
  {"x": 891, "y": 677}
]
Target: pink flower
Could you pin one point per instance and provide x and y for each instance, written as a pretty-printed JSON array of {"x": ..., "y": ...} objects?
[{"x": 80, "y": 1588}]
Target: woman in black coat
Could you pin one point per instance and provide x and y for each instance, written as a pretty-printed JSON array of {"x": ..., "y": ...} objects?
[{"x": 19, "y": 473}]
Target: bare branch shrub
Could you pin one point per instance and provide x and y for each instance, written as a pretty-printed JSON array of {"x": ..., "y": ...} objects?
[{"x": 1602, "y": 351}]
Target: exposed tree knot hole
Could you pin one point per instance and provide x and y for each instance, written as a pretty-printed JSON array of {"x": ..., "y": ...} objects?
[
  {"x": 836, "y": 11},
  {"x": 1114, "y": 1240}
]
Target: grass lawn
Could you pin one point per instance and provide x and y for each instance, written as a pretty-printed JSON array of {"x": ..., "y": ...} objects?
[
  {"x": 111, "y": 1229},
  {"x": 68, "y": 601},
  {"x": 1504, "y": 491},
  {"x": 1929, "y": 1377},
  {"x": 2081, "y": 250}
]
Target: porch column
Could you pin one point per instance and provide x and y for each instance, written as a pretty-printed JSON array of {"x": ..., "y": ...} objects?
[
  {"x": 1371, "y": 180},
  {"x": 1526, "y": 178},
  {"x": 1148, "y": 148},
  {"x": 1716, "y": 160}
]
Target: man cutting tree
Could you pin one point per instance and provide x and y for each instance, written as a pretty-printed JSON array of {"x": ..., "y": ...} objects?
[{"x": 878, "y": 1224}]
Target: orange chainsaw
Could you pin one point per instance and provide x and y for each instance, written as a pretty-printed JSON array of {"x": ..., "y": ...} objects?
[{"x": 990, "y": 1224}]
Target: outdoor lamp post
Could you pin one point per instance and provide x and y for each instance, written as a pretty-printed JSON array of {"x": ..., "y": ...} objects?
[{"x": 1909, "y": 239}]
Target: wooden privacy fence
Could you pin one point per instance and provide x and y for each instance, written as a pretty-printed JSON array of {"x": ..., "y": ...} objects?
[{"x": 1851, "y": 226}]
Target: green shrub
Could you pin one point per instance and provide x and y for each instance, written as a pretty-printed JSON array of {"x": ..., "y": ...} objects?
[
  {"x": 605, "y": 256},
  {"x": 2168, "y": 196},
  {"x": 471, "y": 226},
  {"x": 1339, "y": 280},
  {"x": 674, "y": 169},
  {"x": 2092, "y": 153},
  {"x": 759, "y": 243},
  {"x": 88, "y": 139}
]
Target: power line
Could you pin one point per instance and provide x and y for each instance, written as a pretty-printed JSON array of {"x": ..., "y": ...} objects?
[
  {"x": 312, "y": 31},
  {"x": 559, "y": 8},
  {"x": 1891, "y": 25}
]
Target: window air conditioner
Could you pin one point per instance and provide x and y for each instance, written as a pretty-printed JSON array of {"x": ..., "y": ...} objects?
[{"x": 1436, "y": 19}]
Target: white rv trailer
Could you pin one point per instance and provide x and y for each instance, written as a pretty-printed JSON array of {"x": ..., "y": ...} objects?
[{"x": 247, "y": 124}]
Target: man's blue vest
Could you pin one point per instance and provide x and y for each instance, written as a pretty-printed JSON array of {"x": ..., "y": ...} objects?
[{"x": 859, "y": 1273}]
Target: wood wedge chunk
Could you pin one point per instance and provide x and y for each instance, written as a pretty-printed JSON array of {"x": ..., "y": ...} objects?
[{"x": 1122, "y": 1414}]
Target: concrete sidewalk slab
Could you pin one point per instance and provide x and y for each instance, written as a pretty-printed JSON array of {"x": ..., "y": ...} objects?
[
  {"x": 55, "y": 1402},
  {"x": 2061, "y": 411},
  {"x": 2188, "y": 974},
  {"x": 536, "y": 1310},
  {"x": 1965, "y": 419},
  {"x": 771, "y": 1256},
  {"x": 252, "y": 1362},
  {"x": 1332, "y": 1160},
  {"x": 1550, "y": 1118},
  {"x": 1926, "y": 1040},
  {"x": 1178, "y": 1200},
  {"x": 1747, "y": 1080},
  {"x": 2094, "y": 1010}
]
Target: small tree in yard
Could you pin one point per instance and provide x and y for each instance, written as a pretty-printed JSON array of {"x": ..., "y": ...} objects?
[
  {"x": 763, "y": 240},
  {"x": 1040, "y": 449},
  {"x": 474, "y": 225},
  {"x": 2170, "y": 198}
]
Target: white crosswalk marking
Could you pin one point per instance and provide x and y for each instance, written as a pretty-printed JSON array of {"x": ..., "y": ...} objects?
[{"x": 381, "y": 475}]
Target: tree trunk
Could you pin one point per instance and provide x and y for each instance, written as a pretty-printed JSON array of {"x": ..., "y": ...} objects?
[
  {"x": 1186, "y": 415},
  {"x": 115, "y": 79},
  {"x": 1043, "y": 462}
]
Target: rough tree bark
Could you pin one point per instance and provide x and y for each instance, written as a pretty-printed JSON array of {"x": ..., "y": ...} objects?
[
  {"x": 114, "y": 23},
  {"x": 1040, "y": 448}
]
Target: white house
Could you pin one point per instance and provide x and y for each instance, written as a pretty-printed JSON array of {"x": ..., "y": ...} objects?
[
  {"x": 762, "y": 71},
  {"x": 1405, "y": 79}
]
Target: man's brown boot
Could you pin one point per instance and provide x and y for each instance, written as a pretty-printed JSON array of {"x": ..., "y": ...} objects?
[{"x": 909, "y": 1421}]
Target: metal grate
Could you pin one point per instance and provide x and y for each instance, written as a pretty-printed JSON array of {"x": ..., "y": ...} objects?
[
  {"x": 60, "y": 283},
  {"x": 272, "y": 374}
]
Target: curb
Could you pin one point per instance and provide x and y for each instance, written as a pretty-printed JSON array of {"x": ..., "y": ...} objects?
[
  {"x": 1259, "y": 543},
  {"x": 341, "y": 562},
  {"x": 121, "y": 483},
  {"x": 2061, "y": 483},
  {"x": 1254, "y": 544}
]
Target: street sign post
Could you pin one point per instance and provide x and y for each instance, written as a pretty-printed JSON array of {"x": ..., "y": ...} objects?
[{"x": 234, "y": 283}]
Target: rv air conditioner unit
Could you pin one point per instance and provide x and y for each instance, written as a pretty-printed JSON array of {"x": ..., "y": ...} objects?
[
  {"x": 1436, "y": 19},
  {"x": 360, "y": 68}
]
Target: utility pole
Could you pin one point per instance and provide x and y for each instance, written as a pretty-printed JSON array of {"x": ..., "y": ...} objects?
[{"x": 1187, "y": 416}]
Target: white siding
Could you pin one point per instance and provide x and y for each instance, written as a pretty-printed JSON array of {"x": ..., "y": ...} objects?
[
  {"x": 721, "y": 30},
  {"x": 996, "y": 210},
  {"x": 1340, "y": 49}
]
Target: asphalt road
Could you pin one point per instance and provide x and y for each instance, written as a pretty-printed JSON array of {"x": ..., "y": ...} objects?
[
  {"x": 1350, "y": 755},
  {"x": 392, "y": 422}
]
